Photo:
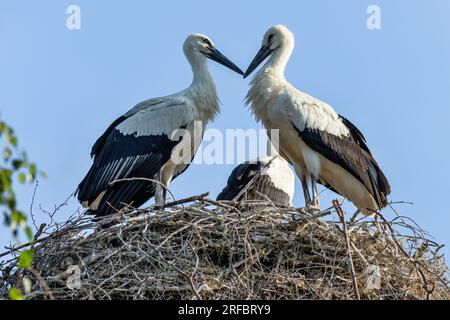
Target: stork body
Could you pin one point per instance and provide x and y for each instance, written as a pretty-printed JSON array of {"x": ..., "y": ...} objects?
[
  {"x": 271, "y": 177},
  {"x": 323, "y": 146},
  {"x": 156, "y": 140}
]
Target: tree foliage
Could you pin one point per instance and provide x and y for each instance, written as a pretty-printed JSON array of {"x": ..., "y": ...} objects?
[{"x": 15, "y": 168}]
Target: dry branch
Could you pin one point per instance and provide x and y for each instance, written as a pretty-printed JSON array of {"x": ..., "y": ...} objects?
[{"x": 342, "y": 217}]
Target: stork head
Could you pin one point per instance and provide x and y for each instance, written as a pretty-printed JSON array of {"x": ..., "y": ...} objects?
[
  {"x": 199, "y": 47},
  {"x": 278, "y": 39}
]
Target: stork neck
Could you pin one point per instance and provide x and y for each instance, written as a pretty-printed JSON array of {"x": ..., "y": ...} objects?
[
  {"x": 203, "y": 91},
  {"x": 201, "y": 75},
  {"x": 278, "y": 60}
]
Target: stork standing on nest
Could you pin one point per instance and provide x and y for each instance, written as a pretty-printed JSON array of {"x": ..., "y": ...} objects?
[
  {"x": 157, "y": 139},
  {"x": 323, "y": 146}
]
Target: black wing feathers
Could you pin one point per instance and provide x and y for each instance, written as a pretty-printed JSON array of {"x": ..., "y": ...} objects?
[
  {"x": 129, "y": 193},
  {"x": 102, "y": 140},
  {"x": 351, "y": 154},
  {"x": 376, "y": 172},
  {"x": 123, "y": 157},
  {"x": 356, "y": 134}
]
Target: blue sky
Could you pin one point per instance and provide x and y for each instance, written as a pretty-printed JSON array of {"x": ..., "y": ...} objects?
[{"x": 60, "y": 89}]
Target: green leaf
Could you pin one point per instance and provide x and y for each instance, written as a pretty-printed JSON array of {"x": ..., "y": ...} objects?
[
  {"x": 7, "y": 153},
  {"x": 33, "y": 170},
  {"x": 17, "y": 164},
  {"x": 18, "y": 217},
  {"x": 15, "y": 294},
  {"x": 13, "y": 141},
  {"x": 14, "y": 163},
  {"x": 22, "y": 178},
  {"x": 25, "y": 158},
  {"x": 44, "y": 174},
  {"x": 26, "y": 259},
  {"x": 6, "y": 218},
  {"x": 29, "y": 233}
]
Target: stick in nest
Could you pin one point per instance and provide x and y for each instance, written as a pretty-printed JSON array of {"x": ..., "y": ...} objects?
[
  {"x": 341, "y": 214},
  {"x": 252, "y": 181}
]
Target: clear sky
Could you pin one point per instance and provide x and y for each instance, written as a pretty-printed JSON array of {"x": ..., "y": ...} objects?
[{"x": 60, "y": 89}]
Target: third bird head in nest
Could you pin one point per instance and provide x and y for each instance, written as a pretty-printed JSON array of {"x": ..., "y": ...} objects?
[{"x": 278, "y": 43}]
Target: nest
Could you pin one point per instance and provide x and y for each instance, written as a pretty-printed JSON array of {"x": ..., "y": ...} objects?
[{"x": 223, "y": 250}]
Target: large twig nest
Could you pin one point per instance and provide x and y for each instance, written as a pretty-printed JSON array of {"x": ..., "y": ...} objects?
[{"x": 232, "y": 251}]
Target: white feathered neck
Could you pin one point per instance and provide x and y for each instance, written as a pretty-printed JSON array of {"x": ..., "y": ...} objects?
[{"x": 203, "y": 89}]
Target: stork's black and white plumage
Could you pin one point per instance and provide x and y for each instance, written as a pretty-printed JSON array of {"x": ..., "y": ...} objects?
[
  {"x": 323, "y": 146},
  {"x": 157, "y": 139},
  {"x": 275, "y": 181}
]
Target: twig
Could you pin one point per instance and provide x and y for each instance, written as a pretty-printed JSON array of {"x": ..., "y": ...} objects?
[
  {"x": 416, "y": 263},
  {"x": 147, "y": 180},
  {"x": 43, "y": 283},
  {"x": 341, "y": 214},
  {"x": 38, "y": 234},
  {"x": 257, "y": 175},
  {"x": 221, "y": 204},
  {"x": 182, "y": 201},
  {"x": 32, "y": 243},
  {"x": 192, "y": 224},
  {"x": 57, "y": 208},
  {"x": 32, "y": 204}
]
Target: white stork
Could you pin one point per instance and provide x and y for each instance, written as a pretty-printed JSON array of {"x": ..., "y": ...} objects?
[
  {"x": 323, "y": 146},
  {"x": 276, "y": 181},
  {"x": 140, "y": 145}
]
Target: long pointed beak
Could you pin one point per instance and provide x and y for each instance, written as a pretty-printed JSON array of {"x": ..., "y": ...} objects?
[
  {"x": 262, "y": 55},
  {"x": 217, "y": 56}
]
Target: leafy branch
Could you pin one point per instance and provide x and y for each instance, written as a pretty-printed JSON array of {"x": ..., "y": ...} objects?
[{"x": 15, "y": 167}]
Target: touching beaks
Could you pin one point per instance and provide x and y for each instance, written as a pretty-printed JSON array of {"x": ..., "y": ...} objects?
[
  {"x": 262, "y": 55},
  {"x": 217, "y": 56}
]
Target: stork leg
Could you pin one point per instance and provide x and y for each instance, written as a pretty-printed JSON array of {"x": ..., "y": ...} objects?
[
  {"x": 164, "y": 178},
  {"x": 315, "y": 195},
  {"x": 300, "y": 174},
  {"x": 164, "y": 195},
  {"x": 306, "y": 192},
  {"x": 355, "y": 215},
  {"x": 160, "y": 193}
]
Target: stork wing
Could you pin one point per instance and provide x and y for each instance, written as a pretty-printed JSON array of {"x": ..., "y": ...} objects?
[
  {"x": 356, "y": 134},
  {"x": 143, "y": 105},
  {"x": 137, "y": 147},
  {"x": 348, "y": 154}
]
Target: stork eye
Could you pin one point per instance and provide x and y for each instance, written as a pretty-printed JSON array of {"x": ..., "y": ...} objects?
[
  {"x": 208, "y": 43},
  {"x": 270, "y": 38}
]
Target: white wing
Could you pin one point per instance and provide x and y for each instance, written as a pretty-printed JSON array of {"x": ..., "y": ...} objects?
[
  {"x": 163, "y": 117},
  {"x": 305, "y": 111}
]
